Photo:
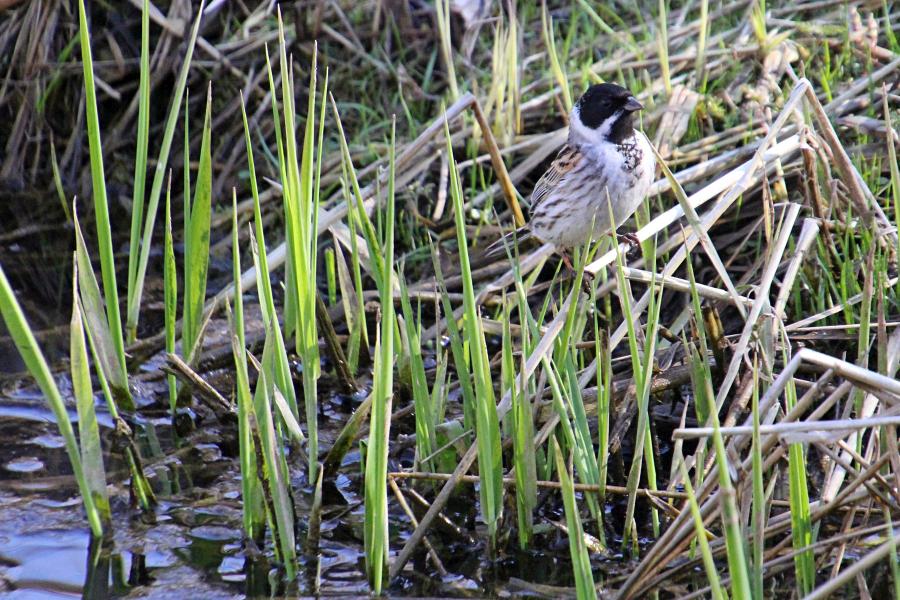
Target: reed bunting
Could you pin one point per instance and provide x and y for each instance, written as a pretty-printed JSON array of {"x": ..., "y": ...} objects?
[{"x": 604, "y": 163}]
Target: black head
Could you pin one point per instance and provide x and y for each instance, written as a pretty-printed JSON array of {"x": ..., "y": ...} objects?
[{"x": 605, "y": 100}]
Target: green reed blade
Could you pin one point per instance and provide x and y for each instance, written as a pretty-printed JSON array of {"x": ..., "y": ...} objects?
[
  {"x": 523, "y": 456},
  {"x": 709, "y": 564},
  {"x": 283, "y": 380},
  {"x": 96, "y": 317},
  {"x": 487, "y": 426},
  {"x": 137, "y": 273},
  {"x": 28, "y": 348},
  {"x": 197, "y": 236},
  {"x": 254, "y": 517},
  {"x": 88, "y": 430},
  {"x": 555, "y": 65},
  {"x": 458, "y": 350},
  {"x": 426, "y": 442},
  {"x": 140, "y": 163},
  {"x": 581, "y": 560},
  {"x": 170, "y": 293},
  {"x": 734, "y": 534},
  {"x": 275, "y": 474},
  {"x": 758, "y": 503},
  {"x": 101, "y": 214},
  {"x": 301, "y": 214},
  {"x": 57, "y": 181},
  {"x": 376, "y": 538},
  {"x": 798, "y": 495}
]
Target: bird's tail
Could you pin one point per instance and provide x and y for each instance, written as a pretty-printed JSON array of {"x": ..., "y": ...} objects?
[{"x": 507, "y": 241}]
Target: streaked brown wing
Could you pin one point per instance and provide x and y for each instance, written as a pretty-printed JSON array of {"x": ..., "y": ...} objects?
[{"x": 568, "y": 158}]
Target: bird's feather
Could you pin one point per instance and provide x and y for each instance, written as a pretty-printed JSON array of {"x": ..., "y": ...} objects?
[
  {"x": 566, "y": 161},
  {"x": 507, "y": 241}
]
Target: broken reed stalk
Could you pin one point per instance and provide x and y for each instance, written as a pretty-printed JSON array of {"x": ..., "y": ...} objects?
[
  {"x": 509, "y": 190},
  {"x": 667, "y": 545},
  {"x": 553, "y": 485},
  {"x": 348, "y": 383}
]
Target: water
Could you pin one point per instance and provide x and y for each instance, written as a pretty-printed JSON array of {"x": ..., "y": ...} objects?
[{"x": 190, "y": 546}]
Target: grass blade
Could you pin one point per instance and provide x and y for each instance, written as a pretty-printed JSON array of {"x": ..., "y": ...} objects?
[
  {"x": 581, "y": 560},
  {"x": 301, "y": 214},
  {"x": 136, "y": 282},
  {"x": 140, "y": 165},
  {"x": 274, "y": 469},
  {"x": 88, "y": 430},
  {"x": 254, "y": 517},
  {"x": 709, "y": 564},
  {"x": 487, "y": 426},
  {"x": 555, "y": 66},
  {"x": 31, "y": 354},
  {"x": 426, "y": 441},
  {"x": 523, "y": 438},
  {"x": 170, "y": 293},
  {"x": 283, "y": 379},
  {"x": 197, "y": 240},
  {"x": 97, "y": 323},
  {"x": 119, "y": 379},
  {"x": 376, "y": 516}
]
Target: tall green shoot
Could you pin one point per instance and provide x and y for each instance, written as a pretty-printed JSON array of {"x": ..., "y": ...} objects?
[
  {"x": 138, "y": 261},
  {"x": 523, "y": 434},
  {"x": 275, "y": 482},
  {"x": 34, "y": 360},
  {"x": 82, "y": 389},
  {"x": 642, "y": 367},
  {"x": 442, "y": 10},
  {"x": 487, "y": 426},
  {"x": 301, "y": 214},
  {"x": 140, "y": 167},
  {"x": 283, "y": 380},
  {"x": 581, "y": 560},
  {"x": 426, "y": 440},
  {"x": 555, "y": 66},
  {"x": 798, "y": 492},
  {"x": 100, "y": 343},
  {"x": 196, "y": 258},
  {"x": 709, "y": 564},
  {"x": 118, "y": 375},
  {"x": 734, "y": 534},
  {"x": 170, "y": 293},
  {"x": 376, "y": 516},
  {"x": 662, "y": 41},
  {"x": 253, "y": 509}
]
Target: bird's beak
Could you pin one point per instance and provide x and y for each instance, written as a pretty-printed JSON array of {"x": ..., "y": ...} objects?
[{"x": 632, "y": 105}]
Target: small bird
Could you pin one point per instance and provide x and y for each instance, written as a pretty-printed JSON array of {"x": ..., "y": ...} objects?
[{"x": 604, "y": 163}]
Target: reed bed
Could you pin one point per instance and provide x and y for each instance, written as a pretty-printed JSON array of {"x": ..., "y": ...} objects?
[{"x": 712, "y": 413}]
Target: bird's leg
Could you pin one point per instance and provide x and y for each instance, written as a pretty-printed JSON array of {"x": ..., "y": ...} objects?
[
  {"x": 567, "y": 261},
  {"x": 586, "y": 278},
  {"x": 628, "y": 238}
]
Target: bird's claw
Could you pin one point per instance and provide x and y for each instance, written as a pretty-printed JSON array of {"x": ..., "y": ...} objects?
[
  {"x": 629, "y": 238},
  {"x": 586, "y": 278}
]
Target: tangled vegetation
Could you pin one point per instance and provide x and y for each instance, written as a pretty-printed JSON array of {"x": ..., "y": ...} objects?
[{"x": 712, "y": 414}]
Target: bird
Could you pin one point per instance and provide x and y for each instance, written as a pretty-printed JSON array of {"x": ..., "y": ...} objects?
[{"x": 604, "y": 163}]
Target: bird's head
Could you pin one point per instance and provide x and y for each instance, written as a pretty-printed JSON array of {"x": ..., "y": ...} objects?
[{"x": 604, "y": 113}]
